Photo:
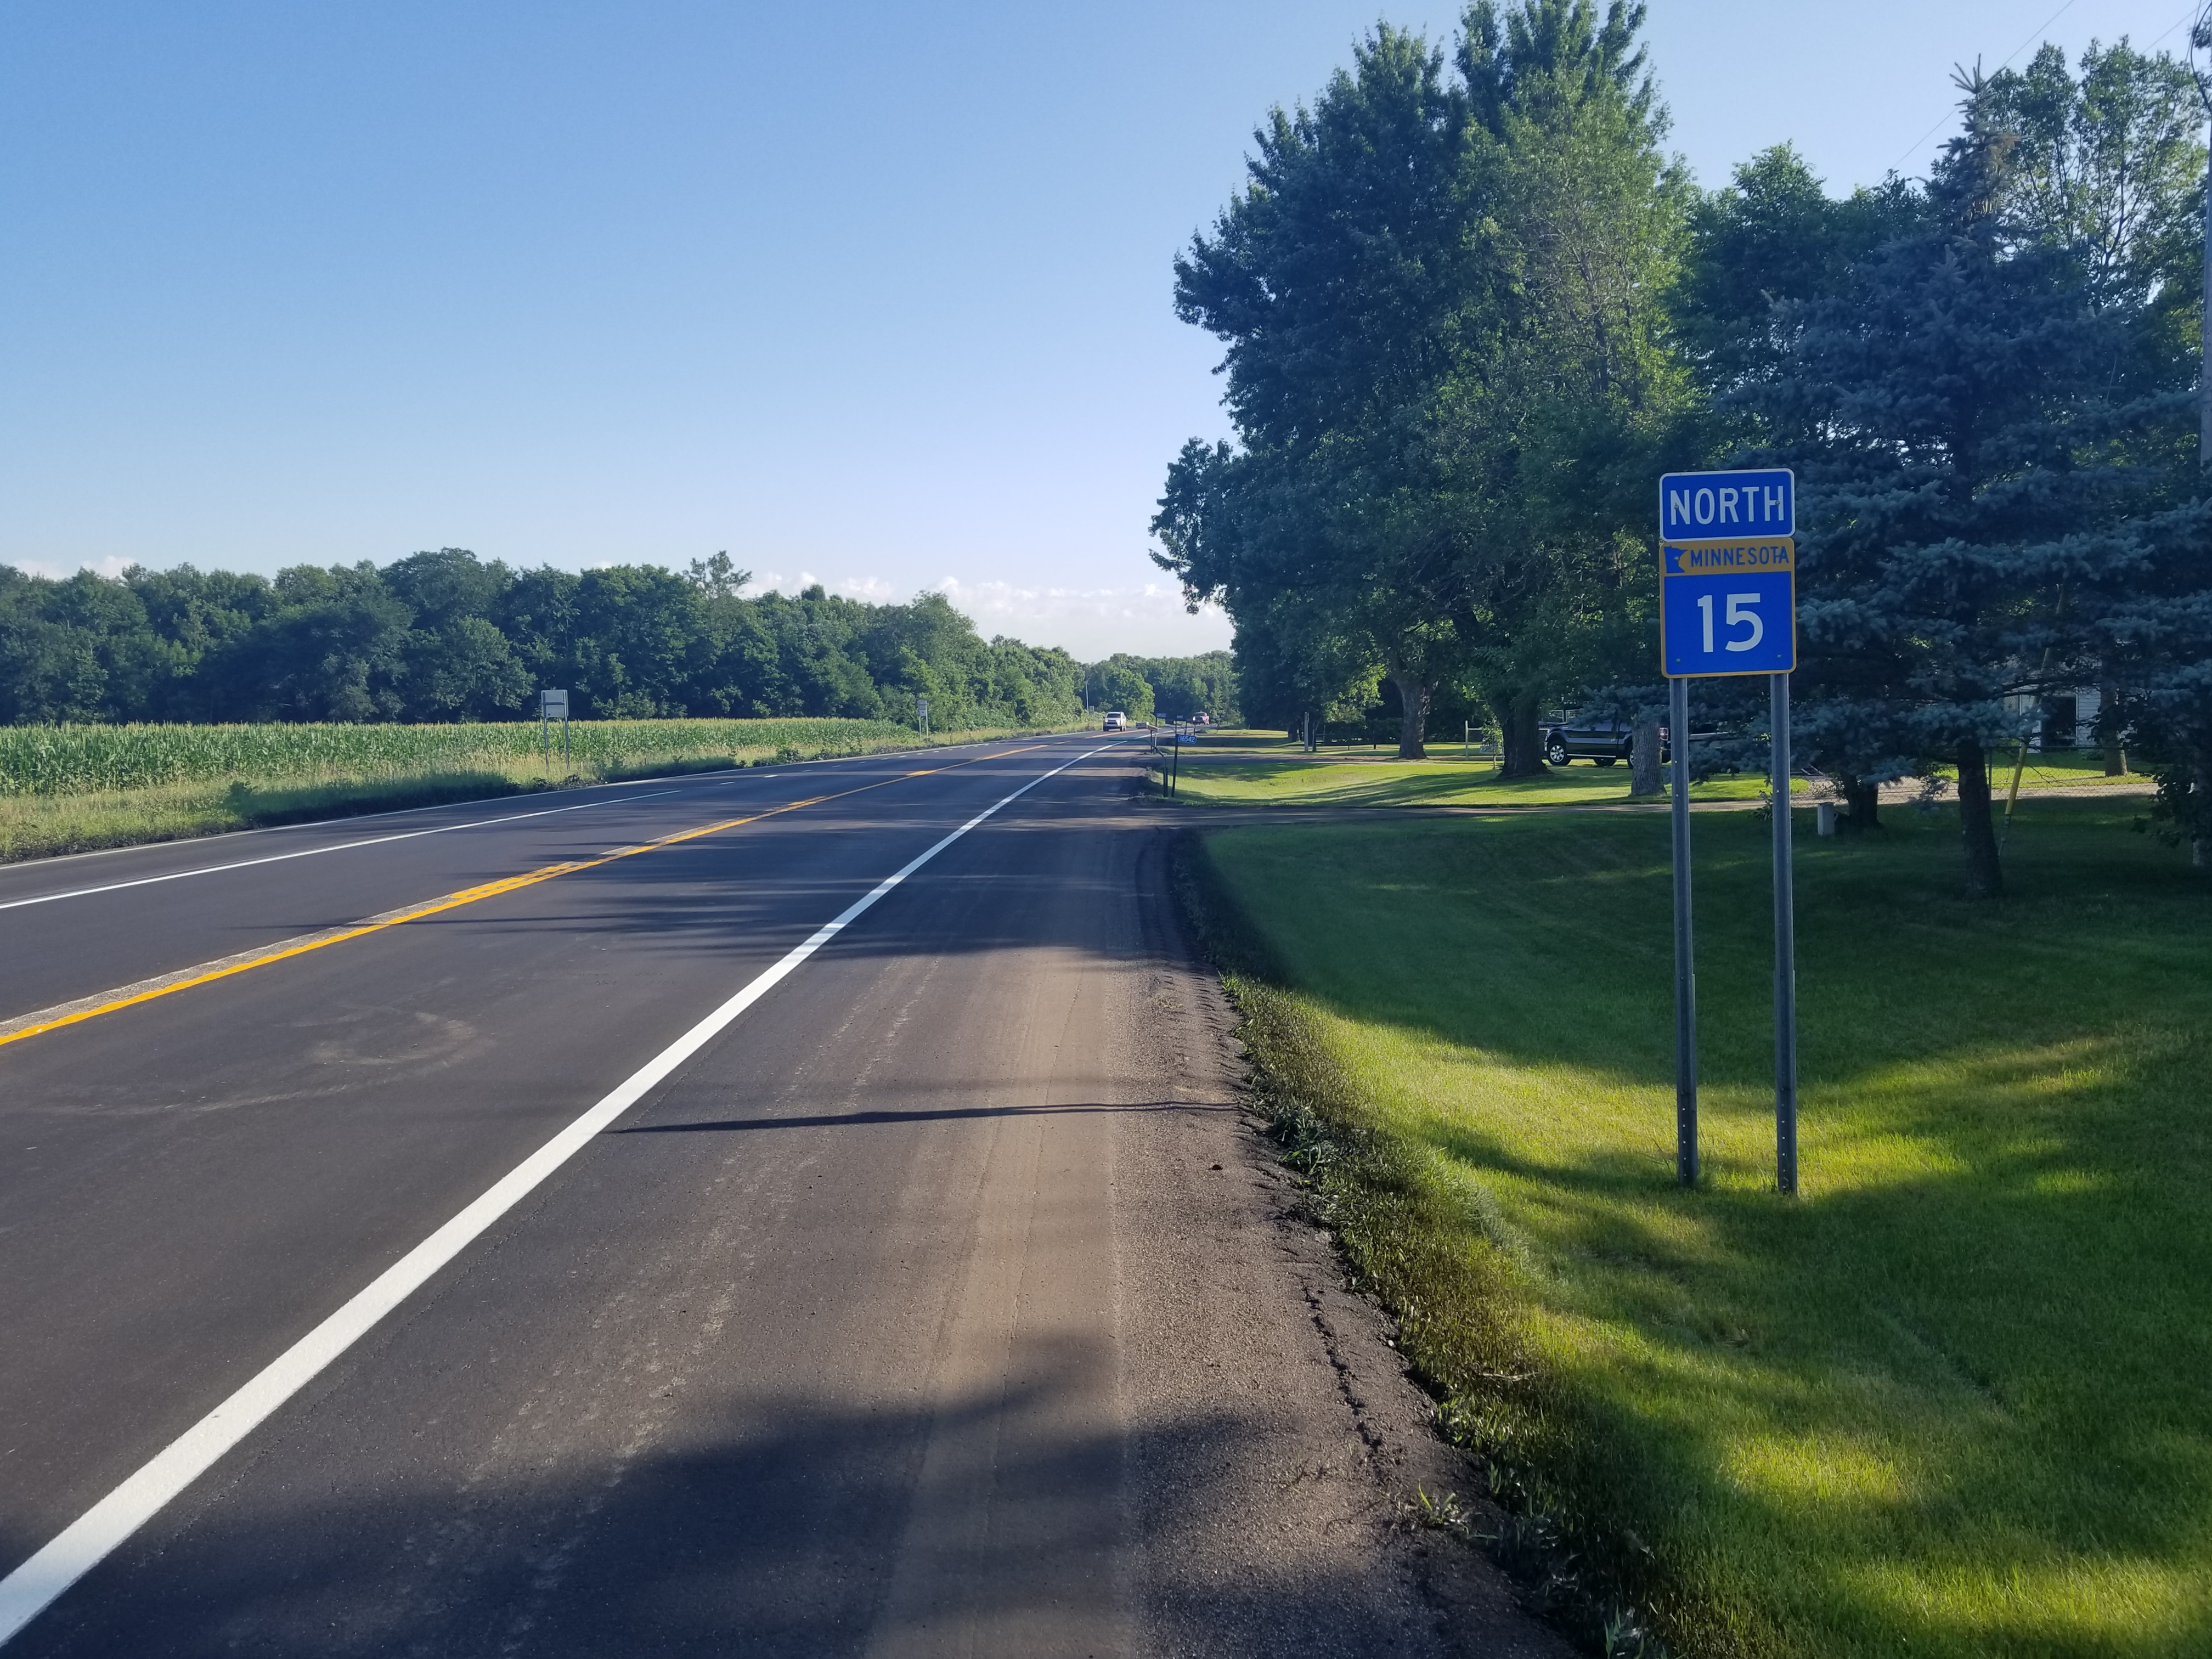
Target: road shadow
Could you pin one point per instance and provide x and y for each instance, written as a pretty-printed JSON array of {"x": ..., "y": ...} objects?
[
  {"x": 948, "y": 1113},
  {"x": 783, "y": 1534}
]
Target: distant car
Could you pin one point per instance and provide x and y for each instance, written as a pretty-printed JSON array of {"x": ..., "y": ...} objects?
[{"x": 1116, "y": 721}]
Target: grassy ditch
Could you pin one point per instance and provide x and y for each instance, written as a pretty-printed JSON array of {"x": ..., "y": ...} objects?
[
  {"x": 75, "y": 788},
  {"x": 1957, "y": 1398}
]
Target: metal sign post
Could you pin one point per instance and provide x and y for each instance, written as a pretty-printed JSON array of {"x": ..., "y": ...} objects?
[
  {"x": 921, "y": 714},
  {"x": 1785, "y": 951},
  {"x": 1686, "y": 959},
  {"x": 1728, "y": 605}
]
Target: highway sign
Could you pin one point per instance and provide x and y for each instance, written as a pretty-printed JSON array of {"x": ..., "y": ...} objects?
[
  {"x": 1715, "y": 506},
  {"x": 1728, "y": 604},
  {"x": 1728, "y": 608}
]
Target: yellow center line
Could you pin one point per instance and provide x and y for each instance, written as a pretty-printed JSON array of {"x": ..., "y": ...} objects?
[{"x": 77, "y": 1015}]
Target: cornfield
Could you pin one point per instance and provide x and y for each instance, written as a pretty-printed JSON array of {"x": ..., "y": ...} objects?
[{"x": 68, "y": 760}]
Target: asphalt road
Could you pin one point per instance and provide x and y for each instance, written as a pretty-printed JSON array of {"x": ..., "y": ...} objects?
[{"x": 938, "y": 1302}]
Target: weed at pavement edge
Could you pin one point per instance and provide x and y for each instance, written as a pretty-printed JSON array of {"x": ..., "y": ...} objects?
[{"x": 1399, "y": 1238}]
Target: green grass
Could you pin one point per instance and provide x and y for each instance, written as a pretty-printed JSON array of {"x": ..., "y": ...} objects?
[
  {"x": 73, "y": 788},
  {"x": 1955, "y": 1399},
  {"x": 2060, "y": 766},
  {"x": 1365, "y": 782},
  {"x": 1233, "y": 773}
]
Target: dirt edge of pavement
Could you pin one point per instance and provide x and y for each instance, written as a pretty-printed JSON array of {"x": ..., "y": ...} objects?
[{"x": 1431, "y": 1491}]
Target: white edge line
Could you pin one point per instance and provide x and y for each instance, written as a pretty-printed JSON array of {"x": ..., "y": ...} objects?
[
  {"x": 311, "y": 851},
  {"x": 80, "y": 1547}
]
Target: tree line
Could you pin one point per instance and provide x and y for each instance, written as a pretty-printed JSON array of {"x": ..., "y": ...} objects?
[
  {"x": 445, "y": 635},
  {"x": 1472, "y": 311},
  {"x": 1172, "y": 688}
]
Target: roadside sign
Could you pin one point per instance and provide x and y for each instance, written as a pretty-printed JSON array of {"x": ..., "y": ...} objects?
[
  {"x": 553, "y": 706},
  {"x": 1717, "y": 506},
  {"x": 1728, "y": 608},
  {"x": 1728, "y": 605}
]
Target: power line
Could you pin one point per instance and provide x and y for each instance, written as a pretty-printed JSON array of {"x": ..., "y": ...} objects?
[
  {"x": 2032, "y": 35},
  {"x": 2200, "y": 36},
  {"x": 2007, "y": 64},
  {"x": 2188, "y": 16}
]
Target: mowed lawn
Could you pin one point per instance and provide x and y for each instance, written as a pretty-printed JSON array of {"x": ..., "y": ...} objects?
[
  {"x": 1954, "y": 1400},
  {"x": 1234, "y": 770},
  {"x": 1446, "y": 781}
]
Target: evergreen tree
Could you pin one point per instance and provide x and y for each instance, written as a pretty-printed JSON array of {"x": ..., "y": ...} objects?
[{"x": 1968, "y": 476}]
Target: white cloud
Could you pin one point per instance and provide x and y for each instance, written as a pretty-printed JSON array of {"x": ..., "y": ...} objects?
[
  {"x": 110, "y": 567},
  {"x": 874, "y": 590},
  {"x": 1092, "y": 622}
]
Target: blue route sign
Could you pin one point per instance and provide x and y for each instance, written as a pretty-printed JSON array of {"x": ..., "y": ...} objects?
[
  {"x": 1724, "y": 505},
  {"x": 1728, "y": 607},
  {"x": 1728, "y": 604}
]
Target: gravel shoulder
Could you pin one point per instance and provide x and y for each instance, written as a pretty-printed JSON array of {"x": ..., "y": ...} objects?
[{"x": 1256, "y": 1382}]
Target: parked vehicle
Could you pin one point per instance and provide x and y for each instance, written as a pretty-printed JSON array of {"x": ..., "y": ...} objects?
[
  {"x": 1116, "y": 721},
  {"x": 1607, "y": 741},
  {"x": 1602, "y": 741}
]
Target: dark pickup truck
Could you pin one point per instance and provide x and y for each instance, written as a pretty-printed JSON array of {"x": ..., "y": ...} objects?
[{"x": 1602, "y": 741}]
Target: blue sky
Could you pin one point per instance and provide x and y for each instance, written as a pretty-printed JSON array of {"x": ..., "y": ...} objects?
[{"x": 869, "y": 293}]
